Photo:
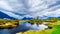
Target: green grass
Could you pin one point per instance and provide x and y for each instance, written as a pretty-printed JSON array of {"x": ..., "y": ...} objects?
[{"x": 54, "y": 30}]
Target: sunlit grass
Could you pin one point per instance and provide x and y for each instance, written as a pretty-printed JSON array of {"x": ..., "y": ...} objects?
[
  {"x": 36, "y": 32},
  {"x": 50, "y": 23},
  {"x": 54, "y": 30}
]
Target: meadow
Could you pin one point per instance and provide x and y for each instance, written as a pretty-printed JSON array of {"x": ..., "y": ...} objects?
[
  {"x": 52, "y": 23},
  {"x": 53, "y": 27}
]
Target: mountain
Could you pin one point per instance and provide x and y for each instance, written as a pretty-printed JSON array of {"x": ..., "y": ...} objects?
[
  {"x": 3, "y": 15},
  {"x": 25, "y": 18}
]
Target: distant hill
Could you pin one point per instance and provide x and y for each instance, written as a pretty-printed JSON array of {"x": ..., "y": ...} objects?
[
  {"x": 25, "y": 18},
  {"x": 3, "y": 15}
]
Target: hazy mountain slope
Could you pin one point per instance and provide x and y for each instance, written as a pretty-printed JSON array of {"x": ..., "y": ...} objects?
[{"x": 3, "y": 15}]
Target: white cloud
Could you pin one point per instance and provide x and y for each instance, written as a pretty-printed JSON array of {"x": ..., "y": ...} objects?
[
  {"x": 55, "y": 13},
  {"x": 12, "y": 15},
  {"x": 35, "y": 7},
  {"x": 5, "y": 5}
]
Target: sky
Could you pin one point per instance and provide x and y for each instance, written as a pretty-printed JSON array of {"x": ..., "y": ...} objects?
[{"x": 30, "y": 8}]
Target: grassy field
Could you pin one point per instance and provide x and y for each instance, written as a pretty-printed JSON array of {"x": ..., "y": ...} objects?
[
  {"x": 53, "y": 25},
  {"x": 54, "y": 30}
]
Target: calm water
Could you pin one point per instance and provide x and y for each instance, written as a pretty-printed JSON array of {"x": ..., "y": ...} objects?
[{"x": 22, "y": 27}]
